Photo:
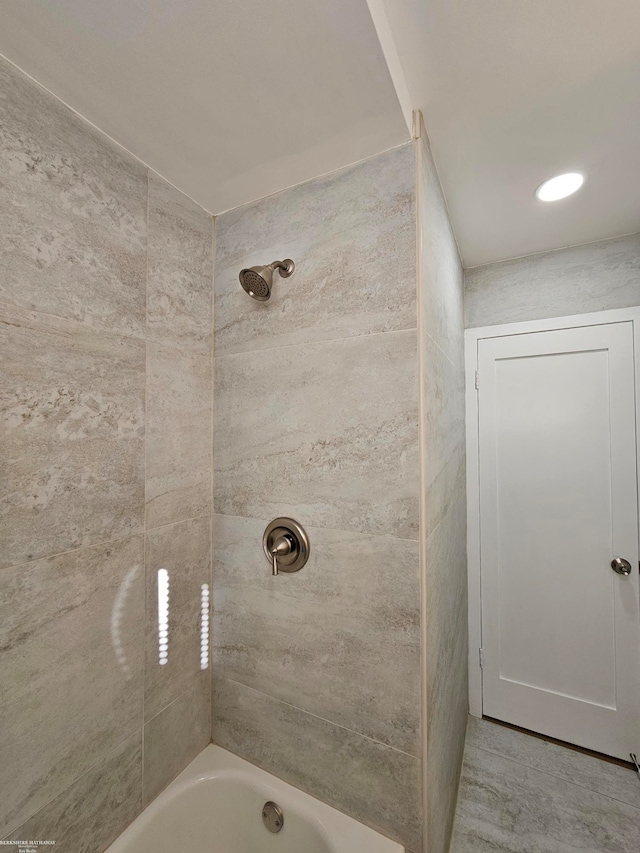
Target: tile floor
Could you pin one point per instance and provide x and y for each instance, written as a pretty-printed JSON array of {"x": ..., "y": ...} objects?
[{"x": 521, "y": 794}]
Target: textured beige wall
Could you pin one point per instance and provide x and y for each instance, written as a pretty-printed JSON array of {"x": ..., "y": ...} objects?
[
  {"x": 578, "y": 280},
  {"x": 105, "y": 342},
  {"x": 443, "y": 536},
  {"x": 317, "y": 674}
]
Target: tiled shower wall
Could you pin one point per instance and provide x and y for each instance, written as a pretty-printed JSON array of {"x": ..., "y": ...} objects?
[
  {"x": 577, "y": 280},
  {"x": 443, "y": 532},
  {"x": 105, "y": 343},
  {"x": 317, "y": 674}
]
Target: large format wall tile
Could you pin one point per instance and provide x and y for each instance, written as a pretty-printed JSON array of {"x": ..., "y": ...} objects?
[
  {"x": 179, "y": 401},
  {"x": 444, "y": 435},
  {"x": 71, "y": 669},
  {"x": 184, "y": 550},
  {"x": 175, "y": 736},
  {"x": 180, "y": 294},
  {"x": 72, "y": 467},
  {"x": 447, "y": 688},
  {"x": 578, "y": 280},
  {"x": 444, "y": 529},
  {"x": 506, "y": 806},
  {"x": 352, "y": 237},
  {"x": 313, "y": 638},
  {"x": 371, "y": 782},
  {"x": 95, "y": 809},
  {"x": 326, "y": 432},
  {"x": 441, "y": 275},
  {"x": 72, "y": 213}
]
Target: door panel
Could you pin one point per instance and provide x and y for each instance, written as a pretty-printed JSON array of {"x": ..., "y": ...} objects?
[{"x": 558, "y": 500}]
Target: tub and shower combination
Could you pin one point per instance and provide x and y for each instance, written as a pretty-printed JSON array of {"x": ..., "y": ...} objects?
[{"x": 222, "y": 804}]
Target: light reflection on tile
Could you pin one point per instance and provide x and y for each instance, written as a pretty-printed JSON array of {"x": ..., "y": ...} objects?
[{"x": 183, "y": 550}]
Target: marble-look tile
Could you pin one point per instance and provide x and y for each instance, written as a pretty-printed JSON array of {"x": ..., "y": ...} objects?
[
  {"x": 72, "y": 466},
  {"x": 444, "y": 434},
  {"x": 95, "y": 809},
  {"x": 313, "y": 638},
  {"x": 71, "y": 669},
  {"x": 180, "y": 291},
  {"x": 352, "y": 237},
  {"x": 373, "y": 783},
  {"x": 446, "y": 596},
  {"x": 446, "y": 668},
  {"x": 442, "y": 277},
  {"x": 505, "y": 807},
  {"x": 179, "y": 402},
  {"x": 184, "y": 550},
  {"x": 175, "y": 736},
  {"x": 73, "y": 210},
  {"x": 326, "y": 433},
  {"x": 578, "y": 280},
  {"x": 591, "y": 772}
]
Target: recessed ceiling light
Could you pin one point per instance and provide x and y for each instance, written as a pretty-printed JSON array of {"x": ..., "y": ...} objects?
[{"x": 560, "y": 187}]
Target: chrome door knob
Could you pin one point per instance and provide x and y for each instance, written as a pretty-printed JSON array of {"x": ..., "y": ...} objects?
[{"x": 621, "y": 566}]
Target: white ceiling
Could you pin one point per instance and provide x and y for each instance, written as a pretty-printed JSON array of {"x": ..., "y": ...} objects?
[
  {"x": 514, "y": 91},
  {"x": 230, "y": 100},
  {"x": 234, "y": 99}
]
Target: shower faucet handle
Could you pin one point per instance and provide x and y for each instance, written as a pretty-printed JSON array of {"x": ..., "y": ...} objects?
[
  {"x": 286, "y": 545},
  {"x": 281, "y": 546}
]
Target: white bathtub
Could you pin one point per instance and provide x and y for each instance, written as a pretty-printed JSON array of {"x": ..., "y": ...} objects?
[{"x": 215, "y": 806}]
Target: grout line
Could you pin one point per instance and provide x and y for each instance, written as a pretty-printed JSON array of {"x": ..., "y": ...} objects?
[
  {"x": 180, "y": 521},
  {"x": 323, "y": 176},
  {"x": 146, "y": 480},
  {"x": 99, "y": 544},
  {"x": 99, "y": 130},
  {"x": 318, "y": 527},
  {"x": 422, "y": 455},
  {"x": 324, "y": 719},
  {"x": 190, "y": 689},
  {"x": 89, "y": 769},
  {"x": 555, "y": 775},
  {"x": 7, "y": 307},
  {"x": 72, "y": 321},
  {"x": 319, "y": 341},
  {"x": 212, "y": 495},
  {"x": 499, "y": 261},
  {"x": 458, "y": 370},
  {"x": 181, "y": 350}
]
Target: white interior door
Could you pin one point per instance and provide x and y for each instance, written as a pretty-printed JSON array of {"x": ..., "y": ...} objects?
[{"x": 558, "y": 501}]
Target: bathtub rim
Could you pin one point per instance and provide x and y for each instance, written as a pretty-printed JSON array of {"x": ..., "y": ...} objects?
[{"x": 340, "y": 831}]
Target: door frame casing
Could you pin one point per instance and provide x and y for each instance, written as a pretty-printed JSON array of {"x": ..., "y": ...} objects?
[{"x": 471, "y": 339}]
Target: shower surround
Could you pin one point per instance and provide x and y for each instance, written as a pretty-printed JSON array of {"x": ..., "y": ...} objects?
[
  {"x": 324, "y": 396},
  {"x": 338, "y": 402},
  {"x": 105, "y": 342}
]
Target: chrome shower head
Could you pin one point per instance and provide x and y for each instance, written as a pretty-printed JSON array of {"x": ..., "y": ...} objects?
[{"x": 257, "y": 281}]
